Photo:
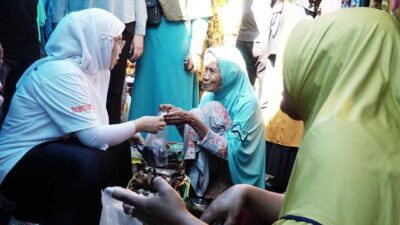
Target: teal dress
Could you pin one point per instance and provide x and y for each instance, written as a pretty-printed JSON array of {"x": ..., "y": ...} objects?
[
  {"x": 246, "y": 135},
  {"x": 160, "y": 77}
]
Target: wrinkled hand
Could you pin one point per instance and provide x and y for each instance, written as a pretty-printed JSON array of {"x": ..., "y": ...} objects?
[
  {"x": 168, "y": 108},
  {"x": 229, "y": 204},
  {"x": 166, "y": 207},
  {"x": 192, "y": 62},
  {"x": 178, "y": 117},
  {"x": 151, "y": 124},
  {"x": 136, "y": 47}
]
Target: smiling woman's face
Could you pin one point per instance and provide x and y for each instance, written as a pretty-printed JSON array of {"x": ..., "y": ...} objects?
[{"x": 212, "y": 80}]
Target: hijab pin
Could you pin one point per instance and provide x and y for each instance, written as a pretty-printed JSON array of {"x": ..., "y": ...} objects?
[{"x": 104, "y": 36}]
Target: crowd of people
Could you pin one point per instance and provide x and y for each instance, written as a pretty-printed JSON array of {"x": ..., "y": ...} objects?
[{"x": 317, "y": 95}]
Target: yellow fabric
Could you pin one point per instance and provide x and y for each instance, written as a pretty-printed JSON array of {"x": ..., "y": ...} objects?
[
  {"x": 283, "y": 130},
  {"x": 342, "y": 76}
]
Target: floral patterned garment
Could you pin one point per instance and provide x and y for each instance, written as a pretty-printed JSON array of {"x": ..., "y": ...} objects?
[{"x": 215, "y": 116}]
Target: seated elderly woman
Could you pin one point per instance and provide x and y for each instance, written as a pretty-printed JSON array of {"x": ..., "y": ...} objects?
[
  {"x": 53, "y": 139},
  {"x": 227, "y": 125}
]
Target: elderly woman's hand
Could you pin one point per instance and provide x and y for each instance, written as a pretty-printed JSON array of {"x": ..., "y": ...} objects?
[
  {"x": 166, "y": 207},
  {"x": 168, "y": 108},
  {"x": 151, "y": 124},
  {"x": 179, "y": 117}
]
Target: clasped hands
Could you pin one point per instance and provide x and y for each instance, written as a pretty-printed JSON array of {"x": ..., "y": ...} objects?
[{"x": 176, "y": 116}]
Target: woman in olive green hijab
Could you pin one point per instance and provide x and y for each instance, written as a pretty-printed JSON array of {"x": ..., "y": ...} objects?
[{"x": 342, "y": 78}]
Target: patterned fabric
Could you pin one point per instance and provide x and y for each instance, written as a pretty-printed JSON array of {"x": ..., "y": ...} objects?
[
  {"x": 215, "y": 32},
  {"x": 213, "y": 115}
]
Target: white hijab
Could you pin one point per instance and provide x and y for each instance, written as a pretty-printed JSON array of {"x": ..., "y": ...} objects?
[{"x": 86, "y": 37}]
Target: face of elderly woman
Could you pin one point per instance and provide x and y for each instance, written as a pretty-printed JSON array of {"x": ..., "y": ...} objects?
[
  {"x": 117, "y": 48},
  {"x": 212, "y": 80}
]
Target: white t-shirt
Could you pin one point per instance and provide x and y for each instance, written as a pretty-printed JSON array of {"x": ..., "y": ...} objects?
[{"x": 48, "y": 105}]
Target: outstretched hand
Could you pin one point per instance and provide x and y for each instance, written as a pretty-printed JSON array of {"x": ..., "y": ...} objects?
[
  {"x": 151, "y": 124},
  {"x": 166, "y": 207},
  {"x": 178, "y": 117},
  {"x": 168, "y": 108},
  {"x": 228, "y": 205}
]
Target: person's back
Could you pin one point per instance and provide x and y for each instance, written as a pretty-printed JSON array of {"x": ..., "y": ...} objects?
[{"x": 347, "y": 170}]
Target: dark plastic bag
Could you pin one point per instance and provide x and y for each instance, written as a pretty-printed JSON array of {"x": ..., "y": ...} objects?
[{"x": 155, "y": 152}]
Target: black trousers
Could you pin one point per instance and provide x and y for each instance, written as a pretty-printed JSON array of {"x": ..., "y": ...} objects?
[
  {"x": 57, "y": 183},
  {"x": 117, "y": 78},
  {"x": 118, "y": 158},
  {"x": 280, "y": 161},
  {"x": 254, "y": 63}
]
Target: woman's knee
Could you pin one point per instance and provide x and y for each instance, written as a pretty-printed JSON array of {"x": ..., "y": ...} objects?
[{"x": 78, "y": 163}]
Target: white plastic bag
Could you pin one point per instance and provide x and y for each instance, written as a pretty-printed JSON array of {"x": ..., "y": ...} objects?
[
  {"x": 113, "y": 213},
  {"x": 155, "y": 151}
]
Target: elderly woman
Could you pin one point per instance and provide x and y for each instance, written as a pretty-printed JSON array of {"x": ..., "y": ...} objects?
[
  {"x": 53, "y": 139},
  {"x": 342, "y": 80},
  {"x": 227, "y": 125}
]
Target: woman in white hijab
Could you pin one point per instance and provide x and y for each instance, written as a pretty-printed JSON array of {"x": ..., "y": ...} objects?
[{"x": 52, "y": 139}]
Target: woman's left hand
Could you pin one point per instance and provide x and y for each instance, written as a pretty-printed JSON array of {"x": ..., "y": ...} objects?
[
  {"x": 192, "y": 62},
  {"x": 178, "y": 117},
  {"x": 136, "y": 49}
]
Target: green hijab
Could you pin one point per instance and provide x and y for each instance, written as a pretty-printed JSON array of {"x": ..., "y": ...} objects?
[
  {"x": 246, "y": 143},
  {"x": 342, "y": 73}
]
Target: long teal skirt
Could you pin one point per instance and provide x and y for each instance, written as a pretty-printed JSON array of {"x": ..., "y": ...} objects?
[{"x": 160, "y": 77}]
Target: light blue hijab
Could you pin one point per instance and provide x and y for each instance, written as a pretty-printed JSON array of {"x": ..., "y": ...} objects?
[{"x": 246, "y": 137}]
